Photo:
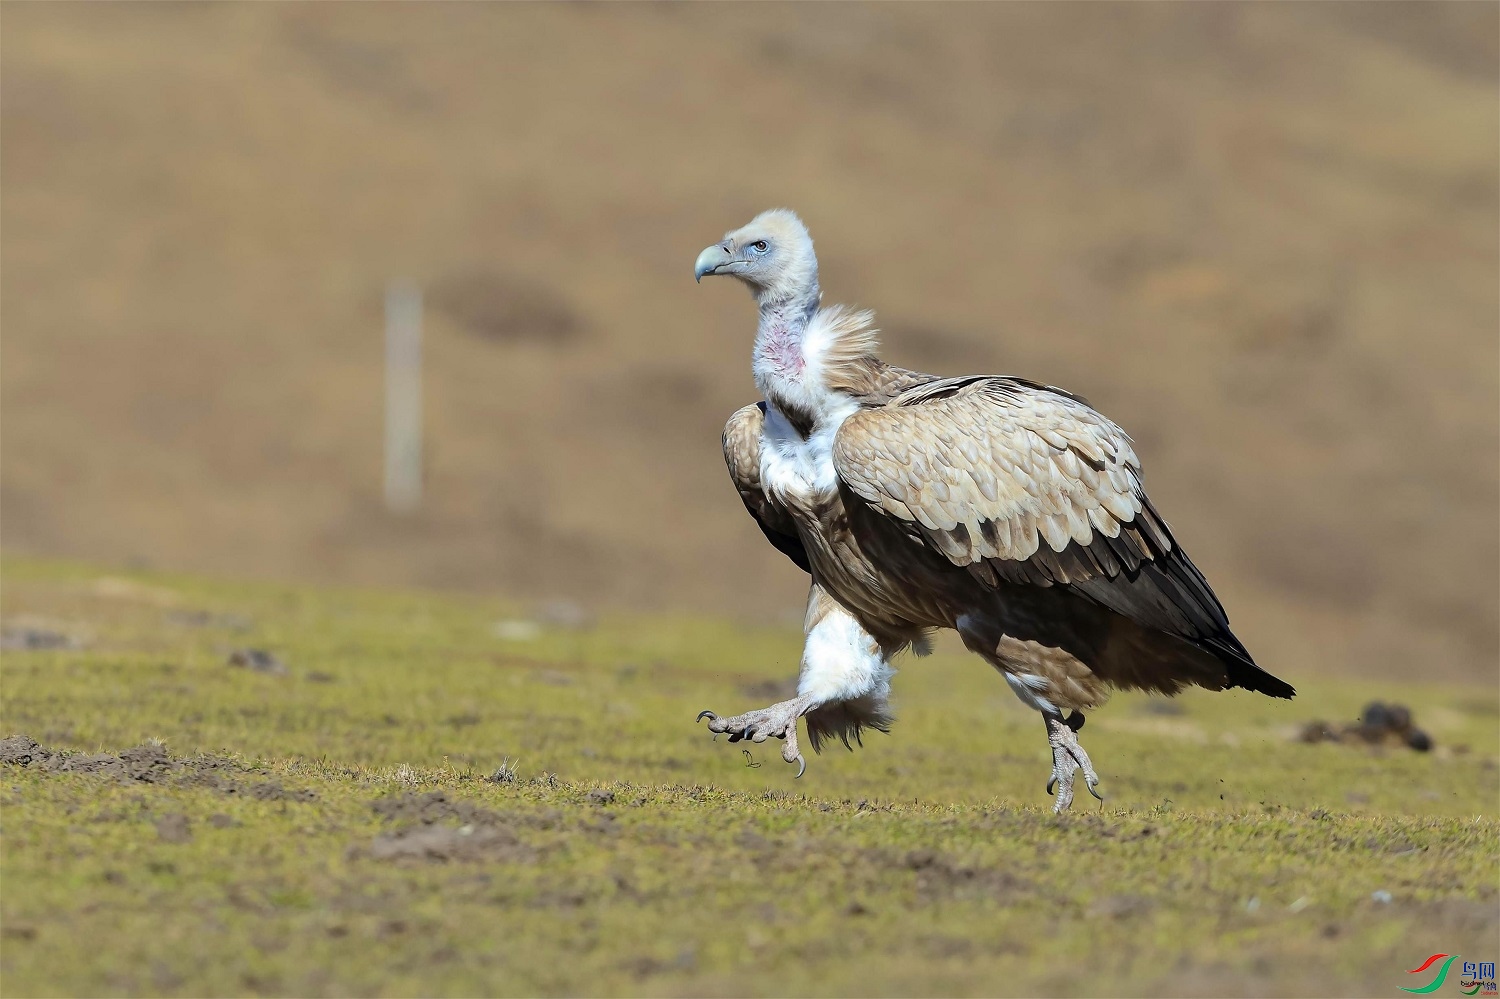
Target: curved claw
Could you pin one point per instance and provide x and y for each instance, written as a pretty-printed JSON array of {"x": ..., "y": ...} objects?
[
  {"x": 706, "y": 714},
  {"x": 801, "y": 766},
  {"x": 1052, "y": 786},
  {"x": 1093, "y": 792}
]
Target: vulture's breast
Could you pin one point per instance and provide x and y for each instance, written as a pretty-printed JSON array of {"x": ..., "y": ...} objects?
[
  {"x": 797, "y": 471},
  {"x": 796, "y": 460}
]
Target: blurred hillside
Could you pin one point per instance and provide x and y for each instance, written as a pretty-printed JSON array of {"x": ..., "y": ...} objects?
[{"x": 1262, "y": 237}]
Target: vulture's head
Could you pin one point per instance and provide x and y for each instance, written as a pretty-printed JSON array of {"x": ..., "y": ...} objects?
[{"x": 773, "y": 254}]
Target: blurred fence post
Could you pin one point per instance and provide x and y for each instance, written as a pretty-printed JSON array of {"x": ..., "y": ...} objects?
[{"x": 403, "y": 397}]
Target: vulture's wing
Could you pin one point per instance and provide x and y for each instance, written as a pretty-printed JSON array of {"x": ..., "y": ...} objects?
[
  {"x": 742, "y": 455},
  {"x": 1024, "y": 483}
]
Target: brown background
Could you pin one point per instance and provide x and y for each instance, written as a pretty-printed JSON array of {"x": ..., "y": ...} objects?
[{"x": 1263, "y": 238}]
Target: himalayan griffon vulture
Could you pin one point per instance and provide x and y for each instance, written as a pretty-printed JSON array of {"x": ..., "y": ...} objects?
[{"x": 1006, "y": 510}]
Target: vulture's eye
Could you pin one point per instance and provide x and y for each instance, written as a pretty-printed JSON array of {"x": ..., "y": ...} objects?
[{"x": 759, "y": 246}]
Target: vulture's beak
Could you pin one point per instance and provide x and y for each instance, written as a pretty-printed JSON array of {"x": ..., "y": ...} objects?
[{"x": 711, "y": 260}]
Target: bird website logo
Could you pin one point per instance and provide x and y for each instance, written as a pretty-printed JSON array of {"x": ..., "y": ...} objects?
[{"x": 1478, "y": 978}]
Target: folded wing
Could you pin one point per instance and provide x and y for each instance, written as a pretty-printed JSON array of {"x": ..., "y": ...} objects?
[{"x": 1025, "y": 484}]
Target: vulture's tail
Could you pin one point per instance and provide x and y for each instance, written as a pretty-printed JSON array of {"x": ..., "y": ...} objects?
[{"x": 1242, "y": 670}]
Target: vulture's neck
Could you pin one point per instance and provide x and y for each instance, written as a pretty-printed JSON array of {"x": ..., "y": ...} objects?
[
  {"x": 806, "y": 359},
  {"x": 781, "y": 339}
]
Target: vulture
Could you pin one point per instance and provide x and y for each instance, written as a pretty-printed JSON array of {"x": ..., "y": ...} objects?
[{"x": 1007, "y": 510}]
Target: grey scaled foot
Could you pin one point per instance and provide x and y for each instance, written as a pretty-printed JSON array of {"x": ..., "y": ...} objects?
[
  {"x": 778, "y": 721},
  {"x": 1068, "y": 758}
]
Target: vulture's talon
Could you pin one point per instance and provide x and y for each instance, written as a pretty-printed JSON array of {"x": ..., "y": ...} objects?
[
  {"x": 706, "y": 714},
  {"x": 1068, "y": 758},
  {"x": 1052, "y": 786},
  {"x": 779, "y": 721},
  {"x": 792, "y": 753}
]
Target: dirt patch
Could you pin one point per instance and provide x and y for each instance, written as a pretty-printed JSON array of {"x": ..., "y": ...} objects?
[
  {"x": 1121, "y": 907},
  {"x": 938, "y": 876},
  {"x": 433, "y": 807},
  {"x": 20, "y": 638},
  {"x": 208, "y": 619},
  {"x": 944, "y": 947},
  {"x": 20, "y": 750},
  {"x": 646, "y": 967},
  {"x": 149, "y": 763},
  {"x": 271, "y": 790},
  {"x": 442, "y": 829},
  {"x": 450, "y": 843},
  {"x": 174, "y": 829}
]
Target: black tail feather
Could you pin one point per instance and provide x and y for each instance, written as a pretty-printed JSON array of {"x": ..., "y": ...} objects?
[{"x": 1242, "y": 670}]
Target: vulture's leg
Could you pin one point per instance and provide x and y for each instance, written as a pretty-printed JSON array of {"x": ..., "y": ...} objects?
[
  {"x": 1068, "y": 758},
  {"x": 1034, "y": 690},
  {"x": 843, "y": 686}
]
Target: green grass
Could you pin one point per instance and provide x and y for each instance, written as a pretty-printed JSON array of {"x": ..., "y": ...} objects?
[{"x": 632, "y": 855}]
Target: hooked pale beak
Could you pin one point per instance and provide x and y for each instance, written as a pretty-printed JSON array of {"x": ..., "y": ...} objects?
[{"x": 711, "y": 260}]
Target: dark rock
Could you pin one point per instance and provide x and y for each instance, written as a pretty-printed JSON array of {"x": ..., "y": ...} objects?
[
  {"x": 258, "y": 661},
  {"x": 22, "y": 639}
]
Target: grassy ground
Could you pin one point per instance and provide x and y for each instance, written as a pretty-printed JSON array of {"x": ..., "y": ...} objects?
[{"x": 336, "y": 828}]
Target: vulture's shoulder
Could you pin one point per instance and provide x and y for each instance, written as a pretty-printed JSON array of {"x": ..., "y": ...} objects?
[
  {"x": 741, "y": 442},
  {"x": 742, "y": 455}
]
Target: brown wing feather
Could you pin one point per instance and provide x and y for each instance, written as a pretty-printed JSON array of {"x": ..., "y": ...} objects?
[
  {"x": 742, "y": 455},
  {"x": 1025, "y": 484},
  {"x": 992, "y": 469}
]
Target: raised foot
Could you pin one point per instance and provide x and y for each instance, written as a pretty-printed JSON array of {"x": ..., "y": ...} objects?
[
  {"x": 779, "y": 721},
  {"x": 1068, "y": 758}
]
